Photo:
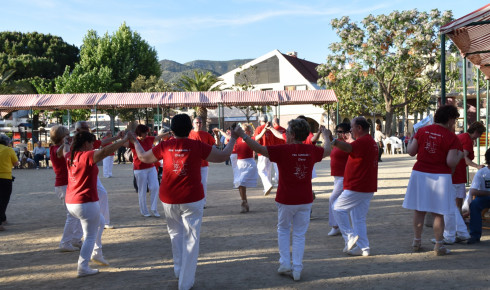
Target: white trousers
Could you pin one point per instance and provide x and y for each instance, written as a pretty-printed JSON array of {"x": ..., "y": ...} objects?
[
  {"x": 454, "y": 223},
  {"x": 93, "y": 225},
  {"x": 338, "y": 186},
  {"x": 297, "y": 216},
  {"x": 107, "y": 164},
  {"x": 357, "y": 205},
  {"x": 73, "y": 229},
  {"x": 264, "y": 166},
  {"x": 147, "y": 179},
  {"x": 103, "y": 201},
  {"x": 204, "y": 181},
  {"x": 275, "y": 178},
  {"x": 234, "y": 161},
  {"x": 184, "y": 227}
]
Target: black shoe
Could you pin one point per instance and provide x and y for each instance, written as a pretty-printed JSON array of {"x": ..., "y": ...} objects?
[
  {"x": 473, "y": 240},
  {"x": 380, "y": 160}
]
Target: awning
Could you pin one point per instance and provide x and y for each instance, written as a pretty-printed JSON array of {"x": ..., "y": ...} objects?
[
  {"x": 67, "y": 101},
  {"x": 129, "y": 100},
  {"x": 471, "y": 34},
  {"x": 164, "y": 99}
]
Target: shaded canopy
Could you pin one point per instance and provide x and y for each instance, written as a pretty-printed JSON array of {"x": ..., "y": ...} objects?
[
  {"x": 471, "y": 34},
  {"x": 164, "y": 99}
]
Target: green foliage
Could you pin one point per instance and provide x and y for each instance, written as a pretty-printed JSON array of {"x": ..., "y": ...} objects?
[
  {"x": 85, "y": 81},
  {"x": 125, "y": 53},
  {"x": 385, "y": 62},
  {"x": 35, "y": 54}
]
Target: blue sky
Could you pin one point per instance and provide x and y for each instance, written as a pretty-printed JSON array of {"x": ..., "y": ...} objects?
[{"x": 184, "y": 30}]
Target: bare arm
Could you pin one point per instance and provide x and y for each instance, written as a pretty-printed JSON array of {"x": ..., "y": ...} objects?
[
  {"x": 412, "y": 147},
  {"x": 344, "y": 146},
  {"x": 59, "y": 152},
  {"x": 65, "y": 146},
  {"x": 470, "y": 162},
  {"x": 108, "y": 150},
  {"x": 160, "y": 136},
  {"x": 453, "y": 158},
  {"x": 276, "y": 133},
  {"x": 217, "y": 155},
  {"x": 261, "y": 133},
  {"x": 317, "y": 134},
  {"x": 327, "y": 146},
  {"x": 143, "y": 156},
  {"x": 476, "y": 192},
  {"x": 105, "y": 141},
  {"x": 252, "y": 143}
]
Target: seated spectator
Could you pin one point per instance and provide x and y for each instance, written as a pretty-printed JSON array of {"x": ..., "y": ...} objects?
[
  {"x": 39, "y": 154},
  {"x": 26, "y": 160}
]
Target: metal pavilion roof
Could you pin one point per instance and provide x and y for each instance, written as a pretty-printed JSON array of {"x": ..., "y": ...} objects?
[{"x": 471, "y": 34}]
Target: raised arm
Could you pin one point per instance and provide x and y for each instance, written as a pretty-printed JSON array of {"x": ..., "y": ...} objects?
[
  {"x": 327, "y": 147},
  {"x": 344, "y": 146},
  {"x": 108, "y": 150},
  {"x": 160, "y": 136},
  {"x": 105, "y": 141},
  {"x": 143, "y": 156},
  {"x": 317, "y": 134},
  {"x": 251, "y": 143},
  {"x": 217, "y": 155},
  {"x": 260, "y": 134},
  {"x": 276, "y": 133}
]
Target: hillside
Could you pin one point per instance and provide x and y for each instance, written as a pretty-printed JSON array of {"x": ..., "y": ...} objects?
[{"x": 172, "y": 70}]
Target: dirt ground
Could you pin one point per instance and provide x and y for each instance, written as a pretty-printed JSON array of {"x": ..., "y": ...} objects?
[{"x": 237, "y": 251}]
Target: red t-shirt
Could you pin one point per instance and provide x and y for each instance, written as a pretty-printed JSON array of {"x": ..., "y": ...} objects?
[
  {"x": 108, "y": 144},
  {"x": 59, "y": 167},
  {"x": 242, "y": 149},
  {"x": 295, "y": 163},
  {"x": 97, "y": 144},
  {"x": 181, "y": 179},
  {"x": 82, "y": 178},
  {"x": 434, "y": 143},
  {"x": 147, "y": 144},
  {"x": 338, "y": 160},
  {"x": 308, "y": 139},
  {"x": 205, "y": 138},
  {"x": 361, "y": 170},
  {"x": 276, "y": 140},
  {"x": 267, "y": 139},
  {"x": 459, "y": 175}
]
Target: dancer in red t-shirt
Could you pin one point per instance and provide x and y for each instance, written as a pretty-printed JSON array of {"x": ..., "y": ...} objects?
[
  {"x": 430, "y": 188},
  {"x": 338, "y": 161},
  {"x": 360, "y": 183},
  {"x": 247, "y": 168},
  {"x": 145, "y": 174},
  {"x": 71, "y": 240},
  {"x": 294, "y": 196},
  {"x": 181, "y": 191},
  {"x": 206, "y": 138},
  {"x": 82, "y": 200},
  {"x": 82, "y": 126}
]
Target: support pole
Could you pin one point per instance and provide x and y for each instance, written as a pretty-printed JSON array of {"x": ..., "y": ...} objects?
[
  {"x": 465, "y": 95},
  {"x": 443, "y": 69},
  {"x": 338, "y": 113},
  {"x": 96, "y": 122},
  {"x": 158, "y": 115},
  {"x": 478, "y": 113}
]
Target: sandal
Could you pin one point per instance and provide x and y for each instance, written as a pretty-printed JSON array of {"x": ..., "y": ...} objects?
[{"x": 416, "y": 245}]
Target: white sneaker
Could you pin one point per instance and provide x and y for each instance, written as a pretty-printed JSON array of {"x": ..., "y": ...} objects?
[
  {"x": 147, "y": 215},
  {"x": 87, "y": 272},
  {"x": 284, "y": 270},
  {"x": 99, "y": 259},
  {"x": 351, "y": 242},
  {"x": 444, "y": 241},
  {"x": 358, "y": 252},
  {"x": 109, "y": 227},
  {"x": 334, "y": 232},
  {"x": 68, "y": 248},
  {"x": 155, "y": 213},
  {"x": 296, "y": 276}
]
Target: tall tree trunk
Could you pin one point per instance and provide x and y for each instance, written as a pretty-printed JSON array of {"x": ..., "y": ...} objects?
[{"x": 389, "y": 122}]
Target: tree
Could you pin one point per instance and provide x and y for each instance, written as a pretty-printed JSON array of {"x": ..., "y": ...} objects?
[
  {"x": 200, "y": 83},
  {"x": 35, "y": 54},
  {"x": 389, "y": 62}
]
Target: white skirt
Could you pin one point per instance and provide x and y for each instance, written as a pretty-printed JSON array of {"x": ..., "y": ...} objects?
[
  {"x": 429, "y": 192},
  {"x": 247, "y": 173}
]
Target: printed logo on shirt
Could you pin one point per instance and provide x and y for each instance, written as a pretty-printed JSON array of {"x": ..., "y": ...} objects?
[
  {"x": 180, "y": 167},
  {"x": 430, "y": 144},
  {"x": 300, "y": 171}
]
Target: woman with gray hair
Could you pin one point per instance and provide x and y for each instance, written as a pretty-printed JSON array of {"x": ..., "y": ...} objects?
[
  {"x": 294, "y": 196},
  {"x": 8, "y": 159}
]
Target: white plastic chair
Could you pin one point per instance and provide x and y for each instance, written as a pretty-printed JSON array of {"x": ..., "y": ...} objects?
[
  {"x": 396, "y": 143},
  {"x": 385, "y": 145}
]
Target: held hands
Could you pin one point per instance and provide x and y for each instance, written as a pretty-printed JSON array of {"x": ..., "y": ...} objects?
[
  {"x": 238, "y": 132},
  {"x": 131, "y": 137},
  {"x": 120, "y": 135}
]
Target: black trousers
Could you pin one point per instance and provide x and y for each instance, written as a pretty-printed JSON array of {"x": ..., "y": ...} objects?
[
  {"x": 120, "y": 154},
  {"x": 5, "y": 192}
]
